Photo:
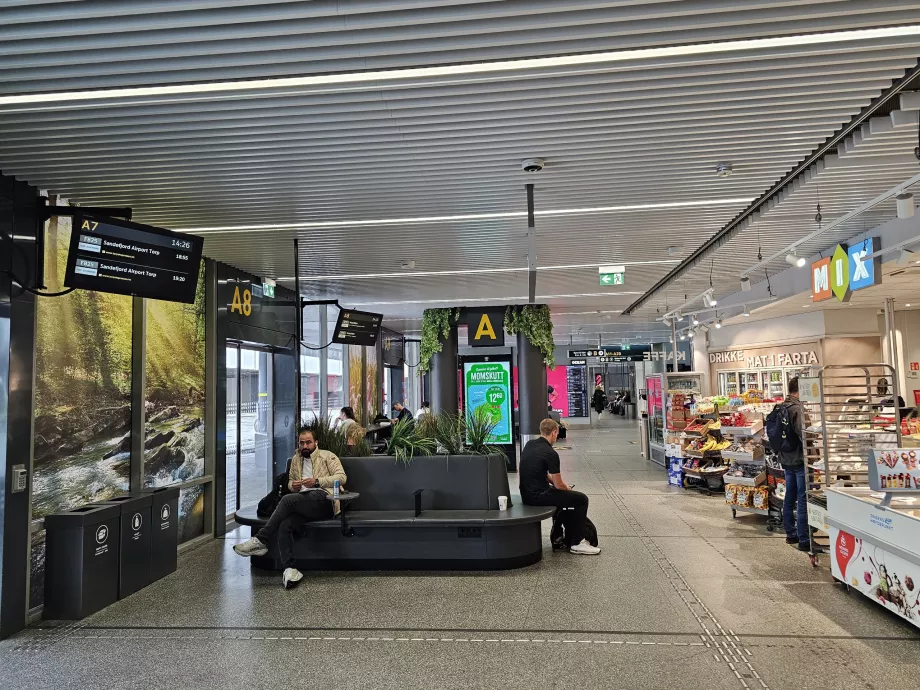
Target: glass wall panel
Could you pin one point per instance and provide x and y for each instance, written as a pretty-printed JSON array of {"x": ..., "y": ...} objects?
[{"x": 310, "y": 373}]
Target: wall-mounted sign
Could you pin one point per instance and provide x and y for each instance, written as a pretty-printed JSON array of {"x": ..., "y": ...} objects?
[
  {"x": 846, "y": 270},
  {"x": 664, "y": 356},
  {"x": 769, "y": 360},
  {"x": 486, "y": 327},
  {"x": 576, "y": 362}
]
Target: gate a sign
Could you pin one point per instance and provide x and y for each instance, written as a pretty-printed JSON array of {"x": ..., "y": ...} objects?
[
  {"x": 486, "y": 327},
  {"x": 846, "y": 271}
]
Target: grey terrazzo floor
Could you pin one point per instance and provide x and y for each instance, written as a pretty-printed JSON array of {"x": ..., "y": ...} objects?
[{"x": 683, "y": 596}]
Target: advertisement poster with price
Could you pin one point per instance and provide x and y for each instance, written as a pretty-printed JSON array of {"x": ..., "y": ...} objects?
[{"x": 487, "y": 390}]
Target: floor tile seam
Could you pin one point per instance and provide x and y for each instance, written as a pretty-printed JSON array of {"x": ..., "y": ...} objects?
[
  {"x": 569, "y": 639},
  {"x": 661, "y": 559}
]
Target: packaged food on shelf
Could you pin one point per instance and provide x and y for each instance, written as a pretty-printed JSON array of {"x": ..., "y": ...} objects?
[
  {"x": 731, "y": 493},
  {"x": 760, "y": 498},
  {"x": 745, "y": 495}
]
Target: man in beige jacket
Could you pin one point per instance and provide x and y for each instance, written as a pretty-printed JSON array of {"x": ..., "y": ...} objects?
[{"x": 310, "y": 478}]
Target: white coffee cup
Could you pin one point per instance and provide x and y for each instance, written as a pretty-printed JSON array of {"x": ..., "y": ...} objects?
[{"x": 503, "y": 503}]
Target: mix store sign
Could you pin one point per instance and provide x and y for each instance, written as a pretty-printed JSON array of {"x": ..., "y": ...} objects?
[{"x": 846, "y": 271}]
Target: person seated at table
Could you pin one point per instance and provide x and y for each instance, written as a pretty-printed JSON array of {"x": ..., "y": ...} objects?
[
  {"x": 402, "y": 413},
  {"x": 542, "y": 485},
  {"x": 345, "y": 419},
  {"x": 311, "y": 477},
  {"x": 423, "y": 410}
]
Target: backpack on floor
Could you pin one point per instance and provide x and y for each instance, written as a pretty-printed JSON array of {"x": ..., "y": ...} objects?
[
  {"x": 279, "y": 489},
  {"x": 557, "y": 532},
  {"x": 783, "y": 438}
]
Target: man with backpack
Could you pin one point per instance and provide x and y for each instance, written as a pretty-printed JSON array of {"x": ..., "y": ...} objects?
[
  {"x": 785, "y": 427},
  {"x": 542, "y": 485}
]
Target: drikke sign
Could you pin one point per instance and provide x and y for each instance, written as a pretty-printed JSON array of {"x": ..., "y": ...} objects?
[{"x": 845, "y": 271}]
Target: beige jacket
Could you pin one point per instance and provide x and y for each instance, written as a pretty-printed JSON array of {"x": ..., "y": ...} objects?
[{"x": 326, "y": 469}]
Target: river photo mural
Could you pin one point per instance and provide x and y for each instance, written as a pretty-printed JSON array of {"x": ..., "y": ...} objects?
[
  {"x": 82, "y": 395},
  {"x": 174, "y": 433}
]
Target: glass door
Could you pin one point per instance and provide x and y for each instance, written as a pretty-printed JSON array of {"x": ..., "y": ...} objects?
[{"x": 249, "y": 426}]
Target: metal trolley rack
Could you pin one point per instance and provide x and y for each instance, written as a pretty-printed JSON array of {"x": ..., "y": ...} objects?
[{"x": 845, "y": 421}]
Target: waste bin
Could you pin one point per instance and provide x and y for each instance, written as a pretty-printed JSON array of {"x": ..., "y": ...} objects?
[
  {"x": 81, "y": 561},
  {"x": 135, "y": 541},
  {"x": 164, "y": 543},
  {"x": 629, "y": 410}
]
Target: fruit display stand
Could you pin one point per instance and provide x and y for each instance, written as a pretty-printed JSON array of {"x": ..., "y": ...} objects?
[
  {"x": 875, "y": 534},
  {"x": 842, "y": 407},
  {"x": 704, "y": 467}
]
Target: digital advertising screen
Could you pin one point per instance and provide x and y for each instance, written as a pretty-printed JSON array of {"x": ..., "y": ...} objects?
[
  {"x": 487, "y": 389},
  {"x": 118, "y": 256},
  {"x": 557, "y": 389}
]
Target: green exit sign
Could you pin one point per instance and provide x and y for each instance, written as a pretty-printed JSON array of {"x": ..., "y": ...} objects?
[
  {"x": 612, "y": 278},
  {"x": 268, "y": 290}
]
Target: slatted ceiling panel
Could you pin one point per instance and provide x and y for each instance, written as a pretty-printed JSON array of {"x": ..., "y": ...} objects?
[
  {"x": 621, "y": 133},
  {"x": 866, "y": 166},
  {"x": 320, "y": 37}
]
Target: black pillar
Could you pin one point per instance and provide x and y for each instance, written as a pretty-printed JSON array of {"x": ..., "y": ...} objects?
[
  {"x": 532, "y": 395},
  {"x": 444, "y": 392},
  {"x": 18, "y": 225}
]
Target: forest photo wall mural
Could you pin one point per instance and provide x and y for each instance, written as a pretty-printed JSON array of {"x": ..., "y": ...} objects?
[
  {"x": 83, "y": 375},
  {"x": 82, "y": 396},
  {"x": 174, "y": 434}
]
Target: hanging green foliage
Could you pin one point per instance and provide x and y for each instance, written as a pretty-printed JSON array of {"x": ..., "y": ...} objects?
[
  {"x": 534, "y": 321},
  {"x": 436, "y": 325}
]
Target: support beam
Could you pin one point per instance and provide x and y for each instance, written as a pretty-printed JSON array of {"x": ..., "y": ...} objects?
[
  {"x": 532, "y": 398},
  {"x": 531, "y": 247},
  {"x": 444, "y": 392}
]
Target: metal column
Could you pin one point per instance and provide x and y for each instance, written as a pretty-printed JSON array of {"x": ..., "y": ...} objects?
[
  {"x": 444, "y": 393},
  {"x": 891, "y": 335},
  {"x": 532, "y": 398}
]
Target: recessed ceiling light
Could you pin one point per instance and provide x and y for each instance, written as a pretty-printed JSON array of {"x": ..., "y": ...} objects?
[
  {"x": 906, "y": 305},
  {"x": 805, "y": 306}
]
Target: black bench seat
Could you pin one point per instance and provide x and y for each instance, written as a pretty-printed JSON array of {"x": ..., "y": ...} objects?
[{"x": 459, "y": 526}]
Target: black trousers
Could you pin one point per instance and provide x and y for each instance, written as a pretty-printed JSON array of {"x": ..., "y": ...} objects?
[
  {"x": 293, "y": 512},
  {"x": 574, "y": 520}
]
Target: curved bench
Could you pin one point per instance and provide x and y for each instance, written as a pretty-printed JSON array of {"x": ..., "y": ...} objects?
[{"x": 457, "y": 525}]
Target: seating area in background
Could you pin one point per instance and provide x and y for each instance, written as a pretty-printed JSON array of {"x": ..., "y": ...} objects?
[{"x": 434, "y": 513}]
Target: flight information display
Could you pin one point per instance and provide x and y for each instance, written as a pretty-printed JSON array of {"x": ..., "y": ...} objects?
[
  {"x": 110, "y": 255},
  {"x": 357, "y": 328}
]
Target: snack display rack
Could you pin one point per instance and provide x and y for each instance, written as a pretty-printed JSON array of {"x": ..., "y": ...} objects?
[
  {"x": 844, "y": 422},
  {"x": 682, "y": 392},
  {"x": 747, "y": 489}
]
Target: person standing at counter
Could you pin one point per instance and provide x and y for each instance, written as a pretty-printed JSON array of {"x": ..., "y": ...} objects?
[
  {"x": 345, "y": 419},
  {"x": 792, "y": 458}
]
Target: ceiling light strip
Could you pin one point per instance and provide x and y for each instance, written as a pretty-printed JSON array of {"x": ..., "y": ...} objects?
[
  {"x": 369, "y": 78},
  {"x": 307, "y": 225}
]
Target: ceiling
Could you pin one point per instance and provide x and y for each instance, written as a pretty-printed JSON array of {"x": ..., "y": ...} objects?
[
  {"x": 397, "y": 131},
  {"x": 900, "y": 282}
]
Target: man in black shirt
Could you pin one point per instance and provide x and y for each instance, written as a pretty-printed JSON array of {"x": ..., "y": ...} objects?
[
  {"x": 542, "y": 485},
  {"x": 402, "y": 413}
]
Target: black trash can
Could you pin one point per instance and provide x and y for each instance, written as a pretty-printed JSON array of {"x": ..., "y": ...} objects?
[
  {"x": 135, "y": 541},
  {"x": 165, "y": 535},
  {"x": 81, "y": 561}
]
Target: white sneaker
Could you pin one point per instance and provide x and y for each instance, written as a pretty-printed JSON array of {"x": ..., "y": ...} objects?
[
  {"x": 251, "y": 547},
  {"x": 585, "y": 549},
  {"x": 291, "y": 577}
]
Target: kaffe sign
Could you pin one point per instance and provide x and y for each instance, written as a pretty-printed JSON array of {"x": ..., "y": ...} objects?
[{"x": 846, "y": 271}]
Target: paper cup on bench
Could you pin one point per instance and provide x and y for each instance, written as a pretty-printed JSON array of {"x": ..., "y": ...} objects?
[{"x": 503, "y": 503}]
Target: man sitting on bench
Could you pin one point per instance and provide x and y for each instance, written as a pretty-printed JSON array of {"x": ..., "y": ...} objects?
[
  {"x": 311, "y": 476},
  {"x": 542, "y": 485}
]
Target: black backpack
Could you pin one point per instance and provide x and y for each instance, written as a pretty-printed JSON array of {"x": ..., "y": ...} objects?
[
  {"x": 557, "y": 533},
  {"x": 782, "y": 436},
  {"x": 279, "y": 488}
]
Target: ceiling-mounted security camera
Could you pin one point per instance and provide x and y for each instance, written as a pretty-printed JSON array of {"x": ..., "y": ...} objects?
[
  {"x": 532, "y": 165},
  {"x": 723, "y": 169}
]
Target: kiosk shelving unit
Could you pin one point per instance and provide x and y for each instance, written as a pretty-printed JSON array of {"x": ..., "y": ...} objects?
[{"x": 845, "y": 422}]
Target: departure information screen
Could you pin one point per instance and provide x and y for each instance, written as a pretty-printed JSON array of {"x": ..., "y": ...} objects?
[
  {"x": 357, "y": 328},
  {"x": 110, "y": 255}
]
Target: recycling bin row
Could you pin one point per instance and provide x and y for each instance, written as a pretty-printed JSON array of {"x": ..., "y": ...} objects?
[{"x": 105, "y": 551}]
